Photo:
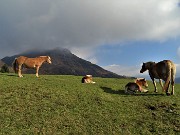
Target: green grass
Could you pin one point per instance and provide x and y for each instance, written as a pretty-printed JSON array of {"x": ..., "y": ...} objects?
[{"x": 60, "y": 104}]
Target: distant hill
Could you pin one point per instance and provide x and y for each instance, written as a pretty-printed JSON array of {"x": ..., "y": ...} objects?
[
  {"x": 1, "y": 63},
  {"x": 177, "y": 80},
  {"x": 64, "y": 63}
]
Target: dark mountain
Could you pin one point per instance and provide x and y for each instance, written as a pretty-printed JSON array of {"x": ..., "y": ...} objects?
[
  {"x": 64, "y": 63},
  {"x": 1, "y": 63}
]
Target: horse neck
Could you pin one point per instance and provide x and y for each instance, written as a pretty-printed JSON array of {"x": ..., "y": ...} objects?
[
  {"x": 137, "y": 82},
  {"x": 150, "y": 65},
  {"x": 42, "y": 59}
]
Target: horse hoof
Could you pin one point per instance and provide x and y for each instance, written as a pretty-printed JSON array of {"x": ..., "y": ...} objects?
[
  {"x": 168, "y": 94},
  {"x": 155, "y": 91}
]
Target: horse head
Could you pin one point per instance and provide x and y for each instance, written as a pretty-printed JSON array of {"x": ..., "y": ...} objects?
[
  {"x": 48, "y": 60},
  {"x": 143, "y": 69},
  {"x": 146, "y": 66},
  {"x": 142, "y": 82}
]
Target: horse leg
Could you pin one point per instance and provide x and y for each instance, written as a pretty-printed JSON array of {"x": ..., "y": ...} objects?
[
  {"x": 37, "y": 70},
  {"x": 172, "y": 84},
  {"x": 167, "y": 88},
  {"x": 161, "y": 83},
  {"x": 19, "y": 71},
  {"x": 154, "y": 85},
  {"x": 173, "y": 72}
]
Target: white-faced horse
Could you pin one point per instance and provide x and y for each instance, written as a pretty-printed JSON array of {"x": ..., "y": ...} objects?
[{"x": 29, "y": 63}]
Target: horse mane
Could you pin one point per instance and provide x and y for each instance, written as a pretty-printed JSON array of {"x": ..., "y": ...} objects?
[{"x": 42, "y": 56}]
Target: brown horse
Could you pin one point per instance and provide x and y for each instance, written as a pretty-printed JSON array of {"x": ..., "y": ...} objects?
[
  {"x": 164, "y": 70},
  {"x": 30, "y": 63},
  {"x": 87, "y": 79},
  {"x": 137, "y": 85}
]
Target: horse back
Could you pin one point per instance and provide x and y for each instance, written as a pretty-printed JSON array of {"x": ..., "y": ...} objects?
[
  {"x": 21, "y": 60},
  {"x": 164, "y": 69},
  {"x": 33, "y": 62}
]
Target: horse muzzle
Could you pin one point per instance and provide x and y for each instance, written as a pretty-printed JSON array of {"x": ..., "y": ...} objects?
[
  {"x": 49, "y": 62},
  {"x": 142, "y": 71}
]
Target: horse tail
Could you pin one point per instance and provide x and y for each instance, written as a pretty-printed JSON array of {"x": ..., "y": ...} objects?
[
  {"x": 170, "y": 72},
  {"x": 14, "y": 65},
  {"x": 173, "y": 73}
]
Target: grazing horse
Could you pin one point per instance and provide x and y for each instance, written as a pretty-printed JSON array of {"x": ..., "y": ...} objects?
[
  {"x": 137, "y": 85},
  {"x": 29, "y": 63},
  {"x": 164, "y": 70}
]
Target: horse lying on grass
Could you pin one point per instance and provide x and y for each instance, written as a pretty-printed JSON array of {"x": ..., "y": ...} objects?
[
  {"x": 87, "y": 79},
  {"x": 29, "y": 63},
  {"x": 137, "y": 85},
  {"x": 164, "y": 70}
]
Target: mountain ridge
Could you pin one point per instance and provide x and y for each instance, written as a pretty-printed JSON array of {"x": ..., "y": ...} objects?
[{"x": 64, "y": 63}]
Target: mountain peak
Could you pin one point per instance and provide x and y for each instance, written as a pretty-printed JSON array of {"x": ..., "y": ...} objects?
[{"x": 64, "y": 63}]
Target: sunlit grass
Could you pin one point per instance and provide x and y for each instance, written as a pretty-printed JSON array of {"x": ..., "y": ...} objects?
[{"x": 57, "y": 104}]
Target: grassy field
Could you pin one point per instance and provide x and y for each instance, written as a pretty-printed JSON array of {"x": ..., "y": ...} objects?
[{"x": 60, "y": 105}]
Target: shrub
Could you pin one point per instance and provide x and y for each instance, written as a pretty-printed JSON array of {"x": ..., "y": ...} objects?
[{"x": 4, "y": 69}]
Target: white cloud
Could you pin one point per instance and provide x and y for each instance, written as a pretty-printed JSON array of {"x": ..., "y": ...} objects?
[
  {"x": 80, "y": 23},
  {"x": 86, "y": 52},
  {"x": 133, "y": 71},
  {"x": 178, "y": 64},
  {"x": 177, "y": 70}
]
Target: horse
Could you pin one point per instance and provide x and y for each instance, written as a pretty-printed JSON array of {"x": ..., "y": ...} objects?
[
  {"x": 164, "y": 70},
  {"x": 137, "y": 85},
  {"x": 29, "y": 63},
  {"x": 87, "y": 79}
]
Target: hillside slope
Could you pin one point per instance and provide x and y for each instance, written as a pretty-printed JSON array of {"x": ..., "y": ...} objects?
[
  {"x": 1, "y": 63},
  {"x": 64, "y": 63},
  {"x": 61, "y": 105}
]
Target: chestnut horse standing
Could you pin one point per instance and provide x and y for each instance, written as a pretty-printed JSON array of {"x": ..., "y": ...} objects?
[{"x": 29, "y": 63}]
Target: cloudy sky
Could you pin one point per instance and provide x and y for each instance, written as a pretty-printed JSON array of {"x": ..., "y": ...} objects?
[{"x": 116, "y": 34}]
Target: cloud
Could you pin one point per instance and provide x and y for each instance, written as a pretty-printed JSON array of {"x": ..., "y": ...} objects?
[
  {"x": 178, "y": 51},
  {"x": 177, "y": 70},
  {"x": 68, "y": 23},
  {"x": 132, "y": 71},
  {"x": 86, "y": 52}
]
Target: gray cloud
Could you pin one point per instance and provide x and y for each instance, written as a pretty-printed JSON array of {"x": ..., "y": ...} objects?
[{"x": 29, "y": 24}]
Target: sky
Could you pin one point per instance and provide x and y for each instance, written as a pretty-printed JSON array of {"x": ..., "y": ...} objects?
[{"x": 118, "y": 35}]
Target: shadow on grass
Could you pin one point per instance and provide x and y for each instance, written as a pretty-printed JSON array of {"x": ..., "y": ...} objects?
[
  {"x": 8, "y": 74},
  {"x": 111, "y": 91},
  {"x": 121, "y": 92},
  {"x": 11, "y": 75},
  {"x": 149, "y": 94}
]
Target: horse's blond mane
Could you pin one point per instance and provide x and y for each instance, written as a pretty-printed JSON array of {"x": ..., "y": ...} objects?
[{"x": 42, "y": 56}]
